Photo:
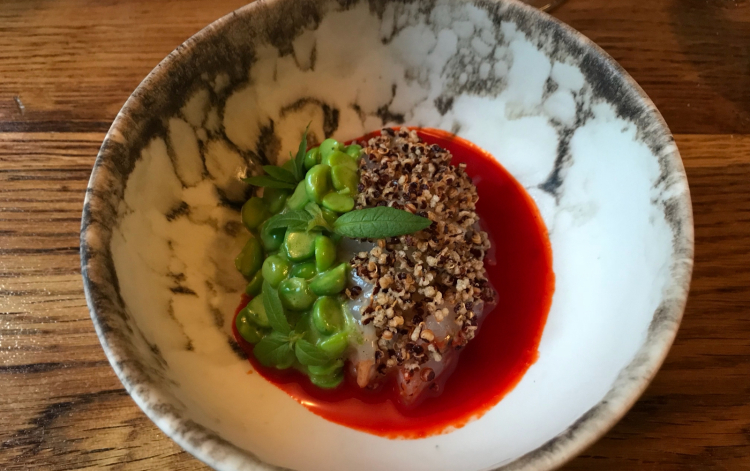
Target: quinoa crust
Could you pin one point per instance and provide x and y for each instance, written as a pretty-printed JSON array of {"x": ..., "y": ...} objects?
[{"x": 421, "y": 275}]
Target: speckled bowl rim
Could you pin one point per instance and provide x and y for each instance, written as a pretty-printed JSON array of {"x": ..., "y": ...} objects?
[{"x": 209, "y": 447}]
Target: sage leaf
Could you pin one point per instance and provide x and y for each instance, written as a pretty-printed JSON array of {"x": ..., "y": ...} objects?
[{"x": 379, "y": 223}]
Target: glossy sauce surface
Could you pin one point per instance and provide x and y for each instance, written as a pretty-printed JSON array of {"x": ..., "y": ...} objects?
[{"x": 519, "y": 266}]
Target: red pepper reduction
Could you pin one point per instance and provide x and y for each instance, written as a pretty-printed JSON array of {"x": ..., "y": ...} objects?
[{"x": 519, "y": 266}]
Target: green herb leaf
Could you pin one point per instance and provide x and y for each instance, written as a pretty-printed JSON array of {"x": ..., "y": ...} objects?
[
  {"x": 299, "y": 161},
  {"x": 295, "y": 220},
  {"x": 309, "y": 354},
  {"x": 318, "y": 221},
  {"x": 280, "y": 174},
  {"x": 274, "y": 349},
  {"x": 274, "y": 309},
  {"x": 268, "y": 182},
  {"x": 379, "y": 223}
]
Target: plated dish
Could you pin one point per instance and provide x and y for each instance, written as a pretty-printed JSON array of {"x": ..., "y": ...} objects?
[
  {"x": 574, "y": 150},
  {"x": 367, "y": 279}
]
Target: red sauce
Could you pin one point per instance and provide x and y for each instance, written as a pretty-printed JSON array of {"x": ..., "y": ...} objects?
[{"x": 506, "y": 344}]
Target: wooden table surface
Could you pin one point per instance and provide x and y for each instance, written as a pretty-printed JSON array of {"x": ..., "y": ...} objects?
[{"x": 67, "y": 66}]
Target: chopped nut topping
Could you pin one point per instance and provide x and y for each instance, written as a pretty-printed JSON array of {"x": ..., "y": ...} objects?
[{"x": 438, "y": 272}]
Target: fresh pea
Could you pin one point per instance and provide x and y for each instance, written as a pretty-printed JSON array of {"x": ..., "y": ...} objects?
[
  {"x": 250, "y": 259},
  {"x": 327, "y": 382},
  {"x": 338, "y": 203},
  {"x": 255, "y": 285},
  {"x": 330, "y": 217},
  {"x": 299, "y": 198},
  {"x": 327, "y": 315},
  {"x": 275, "y": 269},
  {"x": 247, "y": 329},
  {"x": 330, "y": 282},
  {"x": 272, "y": 240},
  {"x": 304, "y": 270},
  {"x": 353, "y": 150},
  {"x": 256, "y": 311},
  {"x": 339, "y": 158},
  {"x": 275, "y": 199},
  {"x": 325, "y": 253},
  {"x": 328, "y": 146},
  {"x": 326, "y": 370},
  {"x": 317, "y": 182},
  {"x": 299, "y": 246},
  {"x": 295, "y": 294},
  {"x": 312, "y": 158},
  {"x": 335, "y": 344},
  {"x": 344, "y": 178},
  {"x": 254, "y": 212}
]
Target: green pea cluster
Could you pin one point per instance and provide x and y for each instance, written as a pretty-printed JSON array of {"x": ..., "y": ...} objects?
[{"x": 298, "y": 265}]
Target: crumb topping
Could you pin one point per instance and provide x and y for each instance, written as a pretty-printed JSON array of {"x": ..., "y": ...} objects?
[{"x": 431, "y": 280}]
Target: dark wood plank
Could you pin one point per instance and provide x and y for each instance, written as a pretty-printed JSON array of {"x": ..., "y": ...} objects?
[{"x": 69, "y": 65}]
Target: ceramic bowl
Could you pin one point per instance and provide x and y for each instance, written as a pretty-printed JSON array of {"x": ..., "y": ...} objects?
[{"x": 161, "y": 226}]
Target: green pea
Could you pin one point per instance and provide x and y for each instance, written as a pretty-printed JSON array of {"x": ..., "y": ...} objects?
[
  {"x": 275, "y": 199},
  {"x": 327, "y": 382},
  {"x": 338, "y": 203},
  {"x": 330, "y": 217},
  {"x": 254, "y": 212},
  {"x": 250, "y": 259},
  {"x": 325, "y": 253},
  {"x": 299, "y": 198},
  {"x": 335, "y": 344},
  {"x": 317, "y": 182},
  {"x": 344, "y": 178},
  {"x": 328, "y": 146},
  {"x": 299, "y": 246},
  {"x": 256, "y": 311},
  {"x": 256, "y": 284},
  {"x": 327, "y": 369},
  {"x": 271, "y": 240},
  {"x": 295, "y": 294},
  {"x": 330, "y": 282},
  {"x": 304, "y": 270},
  {"x": 275, "y": 269},
  {"x": 327, "y": 315},
  {"x": 312, "y": 158},
  {"x": 247, "y": 330},
  {"x": 339, "y": 158},
  {"x": 353, "y": 150}
]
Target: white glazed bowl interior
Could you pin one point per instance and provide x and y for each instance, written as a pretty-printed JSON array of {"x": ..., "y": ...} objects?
[{"x": 161, "y": 226}]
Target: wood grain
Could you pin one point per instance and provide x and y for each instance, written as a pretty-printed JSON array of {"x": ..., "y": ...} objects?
[{"x": 66, "y": 67}]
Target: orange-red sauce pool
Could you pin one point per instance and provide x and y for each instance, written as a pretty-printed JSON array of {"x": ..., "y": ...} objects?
[{"x": 519, "y": 266}]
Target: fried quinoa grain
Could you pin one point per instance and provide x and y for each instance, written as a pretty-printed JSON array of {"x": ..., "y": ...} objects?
[{"x": 438, "y": 272}]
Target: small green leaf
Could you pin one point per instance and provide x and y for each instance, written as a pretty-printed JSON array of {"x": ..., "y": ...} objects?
[
  {"x": 318, "y": 220},
  {"x": 268, "y": 182},
  {"x": 274, "y": 309},
  {"x": 309, "y": 354},
  {"x": 275, "y": 349},
  {"x": 379, "y": 223},
  {"x": 295, "y": 220},
  {"x": 299, "y": 161},
  {"x": 280, "y": 174}
]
